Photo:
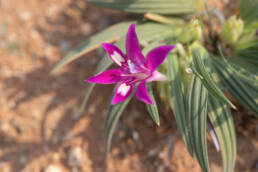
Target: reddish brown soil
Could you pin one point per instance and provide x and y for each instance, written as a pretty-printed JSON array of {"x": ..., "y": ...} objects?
[{"x": 37, "y": 123}]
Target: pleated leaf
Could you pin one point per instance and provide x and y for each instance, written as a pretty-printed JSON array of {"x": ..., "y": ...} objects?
[
  {"x": 248, "y": 10},
  {"x": 245, "y": 91},
  {"x": 154, "y": 6},
  {"x": 202, "y": 73},
  {"x": 197, "y": 109},
  {"x": 222, "y": 121},
  {"x": 247, "y": 58},
  {"x": 153, "y": 109},
  {"x": 177, "y": 100}
]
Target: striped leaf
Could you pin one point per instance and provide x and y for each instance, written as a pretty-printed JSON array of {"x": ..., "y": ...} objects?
[
  {"x": 153, "y": 109},
  {"x": 113, "y": 115},
  {"x": 112, "y": 33},
  {"x": 247, "y": 58},
  {"x": 177, "y": 99},
  {"x": 202, "y": 73},
  {"x": 248, "y": 10},
  {"x": 243, "y": 90},
  {"x": 222, "y": 121},
  {"x": 197, "y": 109},
  {"x": 154, "y": 6},
  {"x": 146, "y": 32}
]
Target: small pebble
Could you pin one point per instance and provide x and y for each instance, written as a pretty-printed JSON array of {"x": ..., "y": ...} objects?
[
  {"x": 135, "y": 136},
  {"x": 86, "y": 28},
  {"x": 4, "y": 167},
  {"x": 64, "y": 46},
  {"x": 75, "y": 157},
  {"x": 25, "y": 16},
  {"x": 23, "y": 159},
  {"x": 92, "y": 109},
  {"x": 68, "y": 136},
  {"x": 52, "y": 168}
]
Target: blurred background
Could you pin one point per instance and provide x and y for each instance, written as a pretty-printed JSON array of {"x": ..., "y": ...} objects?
[{"x": 40, "y": 130}]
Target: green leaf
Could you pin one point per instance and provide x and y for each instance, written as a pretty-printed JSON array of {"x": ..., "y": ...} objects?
[
  {"x": 197, "y": 109},
  {"x": 104, "y": 64},
  {"x": 153, "y": 109},
  {"x": 113, "y": 114},
  {"x": 164, "y": 20},
  {"x": 248, "y": 10},
  {"x": 154, "y": 6},
  {"x": 146, "y": 32},
  {"x": 202, "y": 73},
  {"x": 147, "y": 36},
  {"x": 247, "y": 58},
  {"x": 177, "y": 100},
  {"x": 222, "y": 121},
  {"x": 245, "y": 91},
  {"x": 112, "y": 33}
]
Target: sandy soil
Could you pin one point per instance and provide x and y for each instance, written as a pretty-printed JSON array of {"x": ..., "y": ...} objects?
[{"x": 39, "y": 129}]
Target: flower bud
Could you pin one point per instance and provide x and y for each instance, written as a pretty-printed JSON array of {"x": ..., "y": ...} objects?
[
  {"x": 231, "y": 30},
  {"x": 192, "y": 32}
]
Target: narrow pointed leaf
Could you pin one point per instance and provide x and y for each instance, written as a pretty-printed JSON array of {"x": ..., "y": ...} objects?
[
  {"x": 243, "y": 90},
  {"x": 197, "y": 109},
  {"x": 146, "y": 31},
  {"x": 200, "y": 70},
  {"x": 177, "y": 100},
  {"x": 104, "y": 64},
  {"x": 113, "y": 115},
  {"x": 112, "y": 33},
  {"x": 154, "y": 6},
  {"x": 222, "y": 121},
  {"x": 152, "y": 109}
]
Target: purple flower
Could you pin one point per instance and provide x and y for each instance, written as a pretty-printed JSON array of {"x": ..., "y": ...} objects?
[{"x": 134, "y": 68}]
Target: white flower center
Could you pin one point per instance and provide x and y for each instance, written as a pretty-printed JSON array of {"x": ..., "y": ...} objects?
[
  {"x": 118, "y": 59},
  {"x": 123, "y": 89}
]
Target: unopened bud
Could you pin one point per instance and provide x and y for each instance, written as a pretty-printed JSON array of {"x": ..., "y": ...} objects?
[
  {"x": 192, "y": 32},
  {"x": 231, "y": 30},
  {"x": 180, "y": 49}
]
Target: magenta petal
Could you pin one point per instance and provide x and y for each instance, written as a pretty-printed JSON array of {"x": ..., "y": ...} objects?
[
  {"x": 107, "y": 77},
  {"x": 142, "y": 94},
  {"x": 156, "y": 56},
  {"x": 133, "y": 49},
  {"x": 122, "y": 92},
  {"x": 114, "y": 53},
  {"x": 156, "y": 76}
]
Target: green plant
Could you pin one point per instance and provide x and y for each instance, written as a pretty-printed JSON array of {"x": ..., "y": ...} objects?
[{"x": 197, "y": 76}]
